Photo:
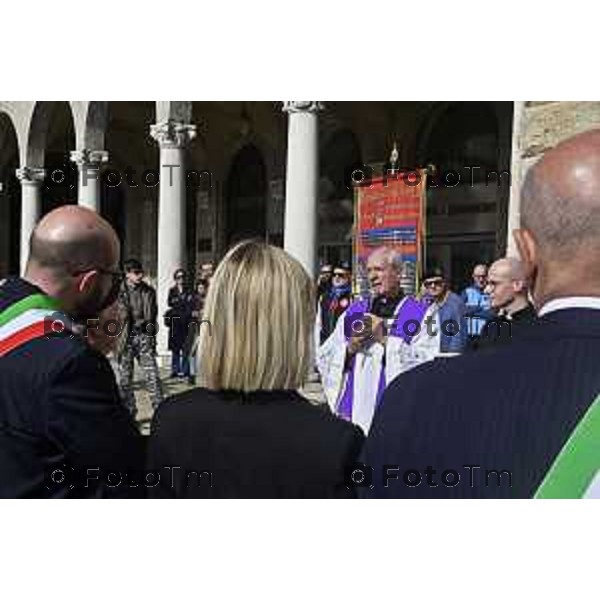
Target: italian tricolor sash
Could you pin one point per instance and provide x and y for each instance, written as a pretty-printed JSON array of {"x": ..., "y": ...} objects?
[
  {"x": 27, "y": 320},
  {"x": 575, "y": 472}
]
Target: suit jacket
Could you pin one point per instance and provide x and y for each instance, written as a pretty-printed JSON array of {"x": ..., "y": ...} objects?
[
  {"x": 60, "y": 414},
  {"x": 267, "y": 444},
  {"x": 501, "y": 330},
  {"x": 509, "y": 408}
]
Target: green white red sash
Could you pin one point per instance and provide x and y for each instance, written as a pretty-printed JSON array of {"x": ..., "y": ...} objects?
[
  {"x": 575, "y": 472},
  {"x": 27, "y": 320}
]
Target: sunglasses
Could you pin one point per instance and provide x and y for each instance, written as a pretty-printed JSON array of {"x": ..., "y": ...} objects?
[
  {"x": 433, "y": 283},
  {"x": 339, "y": 274}
]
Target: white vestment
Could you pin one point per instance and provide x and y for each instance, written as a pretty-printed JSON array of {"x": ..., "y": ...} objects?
[{"x": 400, "y": 356}]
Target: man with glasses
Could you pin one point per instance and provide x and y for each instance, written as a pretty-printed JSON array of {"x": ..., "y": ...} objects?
[
  {"x": 507, "y": 289},
  {"x": 335, "y": 300},
  {"x": 478, "y": 305},
  {"x": 450, "y": 311},
  {"x": 324, "y": 280},
  {"x": 62, "y": 425},
  {"x": 138, "y": 311}
]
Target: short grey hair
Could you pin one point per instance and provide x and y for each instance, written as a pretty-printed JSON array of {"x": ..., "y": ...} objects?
[
  {"x": 393, "y": 256},
  {"x": 560, "y": 225}
]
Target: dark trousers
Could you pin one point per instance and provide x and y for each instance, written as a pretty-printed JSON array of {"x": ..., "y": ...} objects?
[{"x": 180, "y": 363}]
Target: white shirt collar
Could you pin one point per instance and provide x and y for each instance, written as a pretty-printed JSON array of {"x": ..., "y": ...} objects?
[{"x": 592, "y": 302}]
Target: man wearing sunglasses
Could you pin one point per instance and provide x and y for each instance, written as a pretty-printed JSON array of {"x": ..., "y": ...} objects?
[
  {"x": 62, "y": 425},
  {"x": 335, "y": 300},
  {"x": 450, "y": 311},
  {"x": 137, "y": 311}
]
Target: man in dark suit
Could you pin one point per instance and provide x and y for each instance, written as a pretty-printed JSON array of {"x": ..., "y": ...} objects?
[
  {"x": 507, "y": 289},
  {"x": 63, "y": 429},
  {"x": 492, "y": 424}
]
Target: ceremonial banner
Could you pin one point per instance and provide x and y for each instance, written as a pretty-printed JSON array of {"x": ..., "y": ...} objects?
[{"x": 390, "y": 212}]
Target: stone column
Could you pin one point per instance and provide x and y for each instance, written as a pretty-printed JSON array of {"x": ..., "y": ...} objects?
[
  {"x": 302, "y": 176},
  {"x": 31, "y": 179},
  {"x": 88, "y": 164},
  {"x": 516, "y": 172},
  {"x": 172, "y": 137}
]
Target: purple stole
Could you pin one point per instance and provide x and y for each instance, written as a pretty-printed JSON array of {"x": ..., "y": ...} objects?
[{"x": 411, "y": 310}]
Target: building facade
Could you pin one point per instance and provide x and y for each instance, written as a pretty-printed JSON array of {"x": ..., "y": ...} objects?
[{"x": 181, "y": 181}]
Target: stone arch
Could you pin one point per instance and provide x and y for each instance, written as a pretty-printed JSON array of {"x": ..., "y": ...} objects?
[
  {"x": 42, "y": 114},
  {"x": 51, "y": 135},
  {"x": 95, "y": 123}
]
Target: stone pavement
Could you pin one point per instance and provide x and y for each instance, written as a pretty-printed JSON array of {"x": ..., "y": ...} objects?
[{"x": 313, "y": 392}]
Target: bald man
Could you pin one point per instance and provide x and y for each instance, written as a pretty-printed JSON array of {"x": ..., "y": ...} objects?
[
  {"x": 62, "y": 425},
  {"x": 507, "y": 289},
  {"x": 520, "y": 419},
  {"x": 477, "y": 304},
  {"x": 373, "y": 341}
]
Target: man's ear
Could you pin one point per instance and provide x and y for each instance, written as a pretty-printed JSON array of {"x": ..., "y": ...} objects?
[
  {"x": 518, "y": 285},
  {"x": 528, "y": 251}
]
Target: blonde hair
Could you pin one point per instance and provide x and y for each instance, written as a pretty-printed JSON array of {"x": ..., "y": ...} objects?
[{"x": 260, "y": 308}]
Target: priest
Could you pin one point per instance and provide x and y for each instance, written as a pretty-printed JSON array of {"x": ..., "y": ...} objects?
[{"x": 374, "y": 341}]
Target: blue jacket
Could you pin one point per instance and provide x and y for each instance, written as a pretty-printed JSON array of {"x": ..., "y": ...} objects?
[
  {"x": 478, "y": 309},
  {"x": 453, "y": 309}
]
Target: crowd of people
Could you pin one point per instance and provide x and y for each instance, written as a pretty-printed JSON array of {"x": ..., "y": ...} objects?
[{"x": 427, "y": 396}]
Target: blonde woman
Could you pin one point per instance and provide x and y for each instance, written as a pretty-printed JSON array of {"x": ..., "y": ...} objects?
[{"x": 247, "y": 432}]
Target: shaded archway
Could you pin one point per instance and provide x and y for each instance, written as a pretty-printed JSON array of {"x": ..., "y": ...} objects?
[
  {"x": 246, "y": 209},
  {"x": 51, "y": 140},
  {"x": 462, "y": 140},
  {"x": 339, "y": 155},
  {"x": 131, "y": 206},
  {"x": 10, "y": 199}
]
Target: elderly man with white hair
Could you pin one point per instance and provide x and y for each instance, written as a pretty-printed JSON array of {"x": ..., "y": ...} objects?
[
  {"x": 509, "y": 299},
  {"x": 374, "y": 341}
]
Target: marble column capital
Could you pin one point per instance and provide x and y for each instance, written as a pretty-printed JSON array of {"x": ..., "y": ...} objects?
[
  {"x": 87, "y": 157},
  {"x": 173, "y": 134},
  {"x": 31, "y": 175},
  {"x": 298, "y": 106}
]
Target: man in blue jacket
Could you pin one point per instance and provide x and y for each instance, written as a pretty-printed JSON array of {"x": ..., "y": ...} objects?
[
  {"x": 478, "y": 306},
  {"x": 451, "y": 311}
]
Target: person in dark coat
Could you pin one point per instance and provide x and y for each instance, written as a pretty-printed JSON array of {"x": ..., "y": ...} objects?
[
  {"x": 507, "y": 289},
  {"x": 248, "y": 432},
  {"x": 179, "y": 315},
  {"x": 137, "y": 314},
  {"x": 492, "y": 424},
  {"x": 335, "y": 300},
  {"x": 190, "y": 348},
  {"x": 63, "y": 428}
]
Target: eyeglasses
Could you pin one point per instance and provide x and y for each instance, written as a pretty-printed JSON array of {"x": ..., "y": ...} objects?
[
  {"x": 338, "y": 274},
  {"x": 433, "y": 283}
]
